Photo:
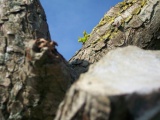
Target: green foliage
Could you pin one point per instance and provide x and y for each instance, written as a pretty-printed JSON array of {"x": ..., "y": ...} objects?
[{"x": 84, "y": 38}]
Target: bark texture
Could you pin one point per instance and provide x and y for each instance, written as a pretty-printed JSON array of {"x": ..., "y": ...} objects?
[
  {"x": 33, "y": 75},
  {"x": 123, "y": 85},
  {"x": 131, "y": 22}
]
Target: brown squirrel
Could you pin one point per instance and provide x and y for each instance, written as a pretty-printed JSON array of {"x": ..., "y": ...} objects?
[
  {"x": 41, "y": 42},
  {"x": 35, "y": 46}
]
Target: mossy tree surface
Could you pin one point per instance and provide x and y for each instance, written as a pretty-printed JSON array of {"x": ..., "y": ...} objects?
[
  {"x": 84, "y": 38},
  {"x": 131, "y": 22},
  {"x": 30, "y": 88}
]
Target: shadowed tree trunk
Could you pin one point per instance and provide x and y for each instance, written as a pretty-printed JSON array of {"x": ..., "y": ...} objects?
[
  {"x": 132, "y": 22},
  {"x": 33, "y": 75}
]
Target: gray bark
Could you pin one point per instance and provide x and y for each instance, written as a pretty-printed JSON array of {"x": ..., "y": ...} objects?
[
  {"x": 132, "y": 22},
  {"x": 33, "y": 75}
]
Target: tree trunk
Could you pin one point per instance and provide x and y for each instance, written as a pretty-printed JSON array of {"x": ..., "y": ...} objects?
[
  {"x": 123, "y": 85},
  {"x": 132, "y": 22},
  {"x": 33, "y": 75}
]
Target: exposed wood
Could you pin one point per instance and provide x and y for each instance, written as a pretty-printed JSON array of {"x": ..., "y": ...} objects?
[{"x": 123, "y": 85}]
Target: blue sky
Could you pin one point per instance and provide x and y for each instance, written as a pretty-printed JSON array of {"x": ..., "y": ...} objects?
[{"x": 68, "y": 19}]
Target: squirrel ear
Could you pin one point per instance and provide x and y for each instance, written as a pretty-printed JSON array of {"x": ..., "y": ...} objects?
[{"x": 53, "y": 43}]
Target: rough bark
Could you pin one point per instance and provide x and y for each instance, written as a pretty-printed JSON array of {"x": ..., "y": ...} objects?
[
  {"x": 33, "y": 75},
  {"x": 132, "y": 22},
  {"x": 123, "y": 85}
]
